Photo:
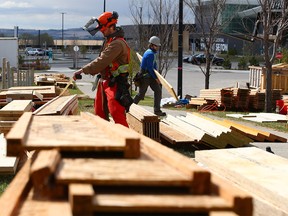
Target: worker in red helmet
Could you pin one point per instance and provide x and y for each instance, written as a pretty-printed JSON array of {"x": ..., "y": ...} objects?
[{"x": 112, "y": 91}]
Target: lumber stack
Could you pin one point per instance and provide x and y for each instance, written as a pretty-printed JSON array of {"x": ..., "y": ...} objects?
[
  {"x": 204, "y": 132},
  {"x": 60, "y": 80},
  {"x": 260, "y": 173},
  {"x": 255, "y": 134},
  {"x": 145, "y": 178},
  {"x": 11, "y": 112},
  {"x": 241, "y": 98},
  {"x": 144, "y": 122},
  {"x": 257, "y": 99},
  {"x": 38, "y": 94},
  {"x": 202, "y": 104},
  {"x": 207, "y": 131},
  {"x": 64, "y": 105},
  {"x": 224, "y": 97}
]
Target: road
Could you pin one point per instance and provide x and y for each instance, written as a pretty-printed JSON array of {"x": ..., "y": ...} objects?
[{"x": 193, "y": 79}]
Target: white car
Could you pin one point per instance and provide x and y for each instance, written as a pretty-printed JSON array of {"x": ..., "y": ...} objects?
[{"x": 35, "y": 52}]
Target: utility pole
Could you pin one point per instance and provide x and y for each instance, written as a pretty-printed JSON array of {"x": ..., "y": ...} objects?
[
  {"x": 63, "y": 28},
  {"x": 104, "y": 6},
  {"x": 180, "y": 49}
]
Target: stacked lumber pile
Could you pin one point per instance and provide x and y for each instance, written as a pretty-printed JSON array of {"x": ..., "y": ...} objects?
[
  {"x": 241, "y": 98},
  {"x": 11, "y": 112},
  {"x": 38, "y": 94},
  {"x": 260, "y": 173},
  {"x": 76, "y": 171},
  {"x": 144, "y": 122},
  {"x": 64, "y": 105},
  {"x": 60, "y": 80},
  {"x": 224, "y": 97},
  {"x": 202, "y": 104},
  {"x": 257, "y": 99},
  {"x": 206, "y": 132},
  {"x": 255, "y": 134},
  {"x": 202, "y": 132}
]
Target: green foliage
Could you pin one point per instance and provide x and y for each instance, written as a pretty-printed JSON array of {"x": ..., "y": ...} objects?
[
  {"x": 232, "y": 52},
  {"x": 285, "y": 56},
  {"x": 253, "y": 61},
  {"x": 242, "y": 64},
  {"x": 4, "y": 181},
  {"x": 227, "y": 63}
]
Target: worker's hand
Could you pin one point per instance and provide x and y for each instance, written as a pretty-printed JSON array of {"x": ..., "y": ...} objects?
[{"x": 77, "y": 74}]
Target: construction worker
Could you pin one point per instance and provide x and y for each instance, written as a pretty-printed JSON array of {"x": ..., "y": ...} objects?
[
  {"x": 112, "y": 94},
  {"x": 148, "y": 64}
]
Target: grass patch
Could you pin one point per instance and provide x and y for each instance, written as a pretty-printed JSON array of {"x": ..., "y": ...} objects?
[{"x": 4, "y": 182}]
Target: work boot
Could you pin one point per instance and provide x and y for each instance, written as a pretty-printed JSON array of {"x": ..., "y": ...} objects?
[{"x": 159, "y": 113}]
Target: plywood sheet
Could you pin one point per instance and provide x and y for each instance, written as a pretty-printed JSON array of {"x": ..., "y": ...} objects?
[{"x": 259, "y": 172}]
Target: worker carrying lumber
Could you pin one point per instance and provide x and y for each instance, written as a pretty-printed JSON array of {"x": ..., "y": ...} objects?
[
  {"x": 149, "y": 78},
  {"x": 112, "y": 93}
]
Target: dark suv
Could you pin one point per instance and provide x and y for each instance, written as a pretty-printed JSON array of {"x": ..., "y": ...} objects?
[{"x": 201, "y": 58}]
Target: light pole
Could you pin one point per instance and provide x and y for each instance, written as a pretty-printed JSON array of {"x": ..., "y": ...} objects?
[
  {"x": 104, "y": 6},
  {"x": 63, "y": 28}
]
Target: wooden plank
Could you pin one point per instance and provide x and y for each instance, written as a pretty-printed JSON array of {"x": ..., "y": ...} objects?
[
  {"x": 121, "y": 172},
  {"x": 16, "y": 107},
  {"x": 146, "y": 203},
  {"x": 43, "y": 167},
  {"x": 163, "y": 81},
  {"x": 260, "y": 173},
  {"x": 81, "y": 199},
  {"x": 173, "y": 136},
  {"x": 241, "y": 201},
  {"x": 71, "y": 133},
  {"x": 43, "y": 207},
  {"x": 14, "y": 194},
  {"x": 200, "y": 177},
  {"x": 130, "y": 138},
  {"x": 56, "y": 106},
  {"x": 17, "y": 136}
]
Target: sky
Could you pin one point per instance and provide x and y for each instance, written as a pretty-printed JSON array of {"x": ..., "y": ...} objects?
[{"x": 48, "y": 14}]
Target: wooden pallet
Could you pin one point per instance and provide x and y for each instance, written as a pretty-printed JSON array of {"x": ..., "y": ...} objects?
[{"x": 158, "y": 181}]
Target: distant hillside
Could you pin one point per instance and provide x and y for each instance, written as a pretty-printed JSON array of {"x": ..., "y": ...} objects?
[{"x": 73, "y": 33}]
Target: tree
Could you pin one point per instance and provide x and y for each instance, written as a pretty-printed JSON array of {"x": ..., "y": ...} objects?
[
  {"x": 207, "y": 18},
  {"x": 272, "y": 19},
  {"x": 160, "y": 18}
]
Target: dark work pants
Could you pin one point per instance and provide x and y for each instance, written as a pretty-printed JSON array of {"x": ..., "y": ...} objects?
[{"x": 144, "y": 84}]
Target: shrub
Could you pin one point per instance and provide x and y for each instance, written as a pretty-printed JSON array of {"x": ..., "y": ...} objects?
[
  {"x": 242, "y": 64},
  {"x": 227, "y": 63},
  {"x": 253, "y": 61}
]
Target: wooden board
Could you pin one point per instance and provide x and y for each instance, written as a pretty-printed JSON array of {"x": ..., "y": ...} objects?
[
  {"x": 70, "y": 133},
  {"x": 163, "y": 81},
  {"x": 261, "y": 173},
  {"x": 123, "y": 172},
  {"x": 56, "y": 106},
  {"x": 173, "y": 136},
  {"x": 16, "y": 191}
]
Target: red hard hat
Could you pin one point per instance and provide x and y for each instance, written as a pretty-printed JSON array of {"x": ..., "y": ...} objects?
[{"x": 107, "y": 19}]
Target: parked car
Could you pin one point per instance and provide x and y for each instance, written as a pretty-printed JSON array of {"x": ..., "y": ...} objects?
[
  {"x": 191, "y": 59},
  {"x": 27, "y": 49},
  {"x": 201, "y": 58},
  {"x": 35, "y": 52}
]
